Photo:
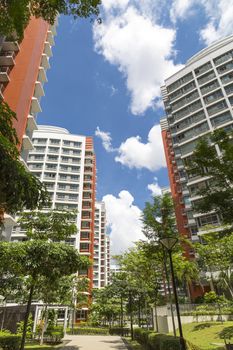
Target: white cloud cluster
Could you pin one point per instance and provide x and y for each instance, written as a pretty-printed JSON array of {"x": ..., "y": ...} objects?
[
  {"x": 105, "y": 138},
  {"x": 141, "y": 49},
  {"x": 155, "y": 188},
  {"x": 136, "y": 154},
  {"x": 123, "y": 219},
  {"x": 218, "y": 12}
]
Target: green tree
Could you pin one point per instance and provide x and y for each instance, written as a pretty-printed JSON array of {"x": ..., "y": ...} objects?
[
  {"x": 215, "y": 255},
  {"x": 19, "y": 189},
  {"x": 15, "y": 14},
  {"x": 213, "y": 157},
  {"x": 159, "y": 218},
  {"x": 40, "y": 259}
]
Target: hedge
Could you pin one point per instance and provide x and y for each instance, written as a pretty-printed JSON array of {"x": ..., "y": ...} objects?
[
  {"x": 9, "y": 341},
  {"x": 156, "y": 341},
  {"x": 119, "y": 331},
  {"x": 88, "y": 331}
]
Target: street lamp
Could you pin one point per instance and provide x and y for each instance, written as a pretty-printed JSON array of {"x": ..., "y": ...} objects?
[{"x": 168, "y": 243}]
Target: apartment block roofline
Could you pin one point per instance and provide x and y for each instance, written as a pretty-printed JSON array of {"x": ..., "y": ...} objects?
[{"x": 217, "y": 45}]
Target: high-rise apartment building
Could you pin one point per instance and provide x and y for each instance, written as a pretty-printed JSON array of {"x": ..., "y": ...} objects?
[
  {"x": 23, "y": 68},
  {"x": 101, "y": 248},
  {"x": 65, "y": 163},
  {"x": 198, "y": 100}
]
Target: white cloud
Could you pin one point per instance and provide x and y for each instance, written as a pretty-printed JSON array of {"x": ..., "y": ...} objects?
[
  {"x": 136, "y": 154},
  {"x": 220, "y": 24},
  {"x": 140, "y": 48},
  {"x": 218, "y": 12},
  {"x": 155, "y": 188},
  {"x": 123, "y": 219},
  {"x": 105, "y": 138}
]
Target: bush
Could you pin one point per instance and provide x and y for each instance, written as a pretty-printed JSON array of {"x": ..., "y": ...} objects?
[
  {"x": 9, "y": 341},
  {"x": 88, "y": 331},
  {"x": 155, "y": 341},
  {"x": 119, "y": 331},
  {"x": 54, "y": 335}
]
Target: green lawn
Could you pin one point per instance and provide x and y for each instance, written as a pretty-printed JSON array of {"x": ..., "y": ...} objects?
[
  {"x": 204, "y": 334},
  {"x": 36, "y": 346},
  {"x": 133, "y": 344}
]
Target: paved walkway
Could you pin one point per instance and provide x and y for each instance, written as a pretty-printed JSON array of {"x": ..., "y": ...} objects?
[{"x": 94, "y": 342}]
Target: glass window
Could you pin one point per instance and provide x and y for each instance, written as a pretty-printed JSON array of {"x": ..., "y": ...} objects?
[
  {"x": 202, "y": 69},
  {"x": 221, "y": 119},
  {"x": 213, "y": 97},
  {"x": 226, "y": 67},
  {"x": 209, "y": 87},
  {"x": 206, "y": 78},
  {"x": 220, "y": 59},
  {"x": 217, "y": 107}
]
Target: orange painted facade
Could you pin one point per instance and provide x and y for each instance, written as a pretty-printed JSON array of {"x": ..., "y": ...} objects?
[
  {"x": 181, "y": 218},
  {"x": 23, "y": 75}
]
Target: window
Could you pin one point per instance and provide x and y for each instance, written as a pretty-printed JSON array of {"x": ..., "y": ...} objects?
[
  {"x": 54, "y": 141},
  {"x": 181, "y": 81},
  {"x": 226, "y": 67},
  {"x": 187, "y": 99},
  {"x": 66, "y": 143},
  {"x": 229, "y": 89},
  {"x": 203, "y": 69},
  {"x": 84, "y": 247},
  {"x": 217, "y": 107},
  {"x": 50, "y": 175},
  {"x": 84, "y": 235},
  {"x": 209, "y": 87},
  {"x": 213, "y": 97},
  {"x": 77, "y": 144},
  {"x": 208, "y": 220},
  {"x": 85, "y": 224},
  {"x": 206, "y": 78},
  {"x": 51, "y": 166},
  {"x": 187, "y": 110},
  {"x": 221, "y": 119},
  {"x": 53, "y": 150},
  {"x": 53, "y": 158},
  {"x": 227, "y": 78},
  {"x": 220, "y": 59}
]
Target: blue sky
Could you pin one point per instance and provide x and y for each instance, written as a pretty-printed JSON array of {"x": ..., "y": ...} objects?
[{"x": 104, "y": 82}]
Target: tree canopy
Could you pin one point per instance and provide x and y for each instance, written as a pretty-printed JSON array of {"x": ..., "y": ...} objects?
[
  {"x": 213, "y": 158},
  {"x": 19, "y": 189},
  {"x": 15, "y": 14}
]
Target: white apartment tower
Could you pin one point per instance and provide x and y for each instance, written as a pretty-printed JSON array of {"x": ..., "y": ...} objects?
[
  {"x": 65, "y": 163},
  {"x": 198, "y": 100},
  {"x": 101, "y": 248}
]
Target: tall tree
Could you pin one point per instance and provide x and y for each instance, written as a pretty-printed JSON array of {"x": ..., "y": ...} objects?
[
  {"x": 15, "y": 14},
  {"x": 159, "y": 218},
  {"x": 40, "y": 258},
  {"x": 19, "y": 189},
  {"x": 213, "y": 157}
]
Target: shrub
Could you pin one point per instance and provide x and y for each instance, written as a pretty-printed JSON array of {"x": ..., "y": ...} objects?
[
  {"x": 119, "y": 331},
  {"x": 9, "y": 341},
  {"x": 88, "y": 331},
  {"x": 155, "y": 341},
  {"x": 54, "y": 334}
]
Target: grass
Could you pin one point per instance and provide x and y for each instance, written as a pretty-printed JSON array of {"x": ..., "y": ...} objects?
[
  {"x": 36, "y": 346},
  {"x": 133, "y": 344},
  {"x": 205, "y": 334}
]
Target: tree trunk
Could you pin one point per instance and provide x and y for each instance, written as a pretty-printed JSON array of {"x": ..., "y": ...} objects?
[
  {"x": 44, "y": 325},
  {"x": 122, "y": 316},
  {"x": 139, "y": 311},
  {"x": 31, "y": 290},
  {"x": 170, "y": 297}
]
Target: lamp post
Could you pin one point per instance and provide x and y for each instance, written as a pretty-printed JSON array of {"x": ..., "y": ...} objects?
[{"x": 168, "y": 243}]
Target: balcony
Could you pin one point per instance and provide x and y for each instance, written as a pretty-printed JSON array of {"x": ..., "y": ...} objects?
[
  {"x": 47, "y": 49},
  {"x": 42, "y": 75},
  {"x": 7, "y": 58},
  {"x": 1, "y": 91},
  {"x": 9, "y": 45},
  {"x": 27, "y": 143},
  {"x": 35, "y": 106},
  {"x": 31, "y": 124},
  {"x": 4, "y": 74},
  {"x": 45, "y": 61},
  {"x": 38, "y": 90},
  {"x": 50, "y": 38}
]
